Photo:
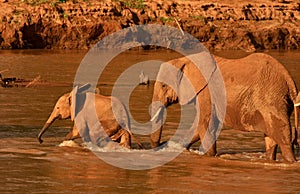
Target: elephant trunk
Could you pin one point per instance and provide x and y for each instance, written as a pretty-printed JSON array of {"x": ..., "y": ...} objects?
[
  {"x": 157, "y": 122},
  {"x": 48, "y": 123},
  {"x": 46, "y": 126},
  {"x": 159, "y": 103}
]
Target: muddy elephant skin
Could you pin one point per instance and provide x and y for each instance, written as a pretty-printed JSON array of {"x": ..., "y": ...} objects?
[{"x": 260, "y": 95}]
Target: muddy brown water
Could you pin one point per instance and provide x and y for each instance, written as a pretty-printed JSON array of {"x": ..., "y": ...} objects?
[{"x": 28, "y": 167}]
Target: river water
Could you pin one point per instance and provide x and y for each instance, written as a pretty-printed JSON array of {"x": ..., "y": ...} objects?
[{"x": 63, "y": 167}]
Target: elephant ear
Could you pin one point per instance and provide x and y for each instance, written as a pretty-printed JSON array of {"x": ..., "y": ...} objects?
[
  {"x": 73, "y": 102},
  {"x": 194, "y": 73},
  {"x": 77, "y": 99},
  {"x": 186, "y": 91}
]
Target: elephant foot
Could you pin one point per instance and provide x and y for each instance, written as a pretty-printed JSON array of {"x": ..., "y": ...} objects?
[
  {"x": 194, "y": 140},
  {"x": 287, "y": 153},
  {"x": 212, "y": 151},
  {"x": 187, "y": 147},
  {"x": 271, "y": 153},
  {"x": 125, "y": 145},
  {"x": 125, "y": 139},
  {"x": 72, "y": 135},
  {"x": 154, "y": 144},
  {"x": 68, "y": 138},
  {"x": 271, "y": 148}
]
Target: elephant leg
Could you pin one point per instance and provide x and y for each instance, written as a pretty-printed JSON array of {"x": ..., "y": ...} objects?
[
  {"x": 287, "y": 153},
  {"x": 208, "y": 129},
  {"x": 155, "y": 138},
  {"x": 69, "y": 135},
  {"x": 73, "y": 134},
  {"x": 212, "y": 151},
  {"x": 295, "y": 144},
  {"x": 208, "y": 143},
  {"x": 280, "y": 129},
  {"x": 125, "y": 139},
  {"x": 271, "y": 148}
]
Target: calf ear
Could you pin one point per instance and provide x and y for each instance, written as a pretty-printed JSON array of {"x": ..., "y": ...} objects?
[{"x": 73, "y": 96}]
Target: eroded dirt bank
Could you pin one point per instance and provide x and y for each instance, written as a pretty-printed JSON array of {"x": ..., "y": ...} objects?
[{"x": 219, "y": 24}]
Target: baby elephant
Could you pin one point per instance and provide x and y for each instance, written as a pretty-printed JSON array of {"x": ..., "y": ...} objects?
[{"x": 96, "y": 117}]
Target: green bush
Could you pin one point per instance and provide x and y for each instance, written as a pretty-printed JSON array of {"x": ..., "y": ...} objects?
[{"x": 135, "y": 4}]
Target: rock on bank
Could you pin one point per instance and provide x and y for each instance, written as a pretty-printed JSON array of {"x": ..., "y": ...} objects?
[{"x": 219, "y": 24}]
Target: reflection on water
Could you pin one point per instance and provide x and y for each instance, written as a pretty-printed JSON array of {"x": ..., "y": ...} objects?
[{"x": 26, "y": 166}]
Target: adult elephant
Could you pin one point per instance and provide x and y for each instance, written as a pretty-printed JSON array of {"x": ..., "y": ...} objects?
[
  {"x": 110, "y": 120},
  {"x": 260, "y": 95}
]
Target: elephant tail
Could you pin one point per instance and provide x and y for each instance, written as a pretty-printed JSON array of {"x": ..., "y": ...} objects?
[{"x": 295, "y": 98}]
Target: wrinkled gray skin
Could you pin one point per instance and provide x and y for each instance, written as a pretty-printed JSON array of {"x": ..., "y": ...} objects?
[
  {"x": 116, "y": 127},
  {"x": 260, "y": 96}
]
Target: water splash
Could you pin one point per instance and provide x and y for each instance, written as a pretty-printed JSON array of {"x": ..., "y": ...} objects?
[
  {"x": 69, "y": 143},
  {"x": 170, "y": 146}
]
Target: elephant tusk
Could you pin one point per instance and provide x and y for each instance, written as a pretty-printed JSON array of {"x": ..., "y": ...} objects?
[
  {"x": 156, "y": 114},
  {"x": 297, "y": 104}
]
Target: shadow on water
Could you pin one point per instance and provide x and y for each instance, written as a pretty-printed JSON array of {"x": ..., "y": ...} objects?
[{"x": 16, "y": 131}]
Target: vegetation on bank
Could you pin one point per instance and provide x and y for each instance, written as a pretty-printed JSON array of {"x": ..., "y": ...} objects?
[
  {"x": 135, "y": 4},
  {"x": 73, "y": 24}
]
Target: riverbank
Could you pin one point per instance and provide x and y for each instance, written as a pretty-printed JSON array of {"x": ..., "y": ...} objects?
[{"x": 79, "y": 24}]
